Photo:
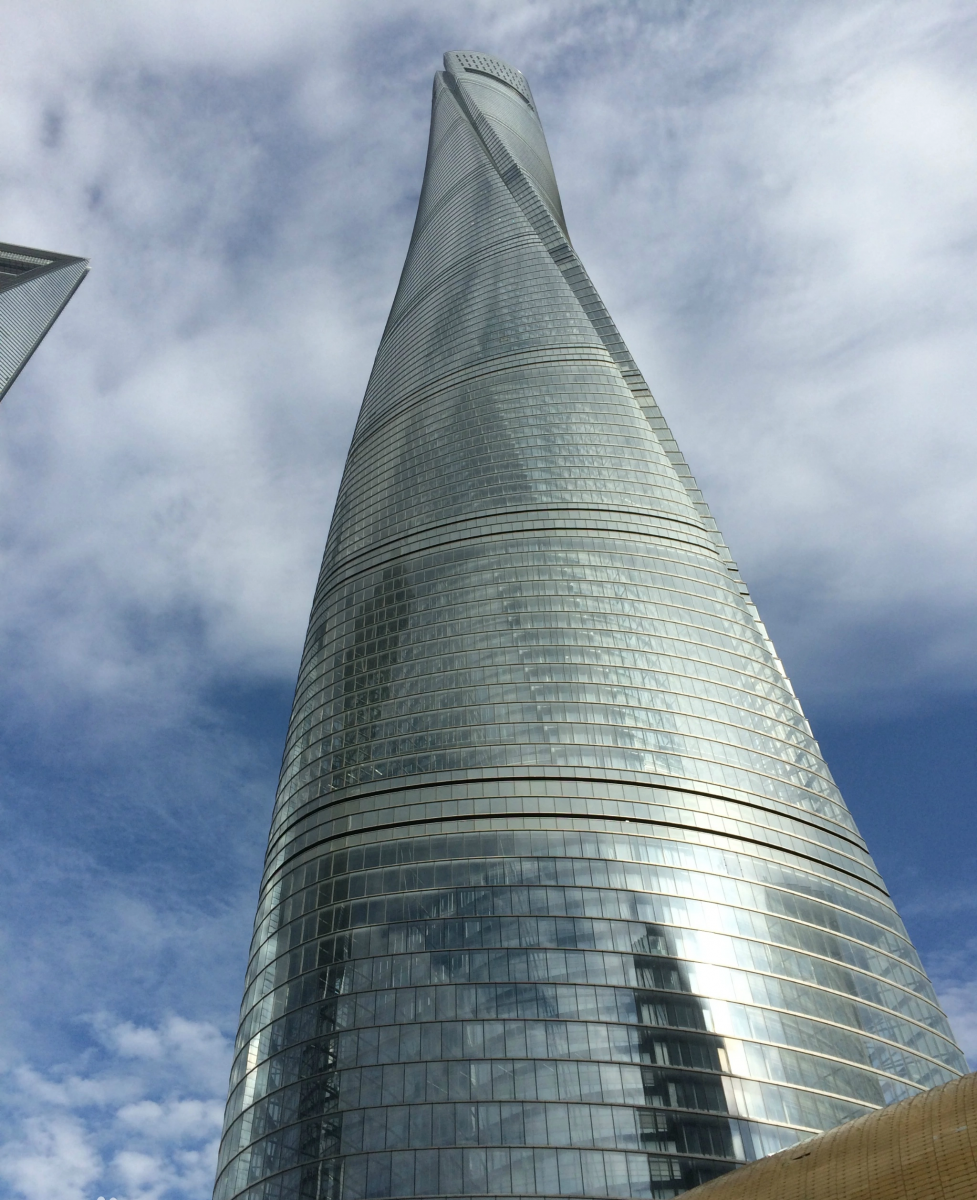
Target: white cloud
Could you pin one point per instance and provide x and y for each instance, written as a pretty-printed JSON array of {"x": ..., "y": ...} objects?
[
  {"x": 142, "y": 1123},
  {"x": 196, "y": 1050},
  {"x": 52, "y": 1159},
  {"x": 947, "y": 912},
  {"x": 954, "y": 974},
  {"x": 959, "y": 1002},
  {"x": 174, "y": 1119}
]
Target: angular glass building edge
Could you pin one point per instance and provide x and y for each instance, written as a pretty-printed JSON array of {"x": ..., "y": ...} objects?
[
  {"x": 35, "y": 285},
  {"x": 560, "y": 898}
]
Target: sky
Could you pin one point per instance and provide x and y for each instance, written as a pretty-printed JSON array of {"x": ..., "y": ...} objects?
[{"x": 775, "y": 200}]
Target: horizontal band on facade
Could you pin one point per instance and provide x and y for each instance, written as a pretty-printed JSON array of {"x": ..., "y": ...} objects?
[
  {"x": 555, "y": 355},
  {"x": 250, "y": 1052},
  {"x": 615, "y": 886},
  {"x": 501, "y": 902},
  {"x": 546, "y": 512},
  {"x": 376, "y": 938},
  {"x": 635, "y": 1112},
  {"x": 248, "y": 1089},
  {"x": 588, "y": 968},
  {"x": 619, "y": 1179},
  {"x": 917, "y": 1040},
  {"x": 417, "y": 811},
  {"x": 652, "y": 996},
  {"x": 340, "y": 575},
  {"x": 280, "y": 866},
  {"x": 469, "y": 778},
  {"x": 491, "y": 775}
]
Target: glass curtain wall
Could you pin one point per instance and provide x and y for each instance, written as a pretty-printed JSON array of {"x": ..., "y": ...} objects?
[{"x": 560, "y": 897}]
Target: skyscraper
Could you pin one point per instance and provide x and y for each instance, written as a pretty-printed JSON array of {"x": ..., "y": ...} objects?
[
  {"x": 560, "y": 897},
  {"x": 35, "y": 285}
]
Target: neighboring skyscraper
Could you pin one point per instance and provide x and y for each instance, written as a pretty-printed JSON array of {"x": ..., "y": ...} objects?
[
  {"x": 560, "y": 897},
  {"x": 35, "y": 285}
]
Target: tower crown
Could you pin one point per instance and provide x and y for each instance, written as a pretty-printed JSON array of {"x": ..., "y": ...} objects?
[{"x": 458, "y": 61}]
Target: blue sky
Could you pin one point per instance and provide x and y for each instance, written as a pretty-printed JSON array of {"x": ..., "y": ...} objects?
[{"x": 775, "y": 201}]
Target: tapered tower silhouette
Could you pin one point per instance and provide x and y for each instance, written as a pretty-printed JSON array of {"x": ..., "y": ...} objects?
[
  {"x": 560, "y": 898},
  {"x": 35, "y": 285}
]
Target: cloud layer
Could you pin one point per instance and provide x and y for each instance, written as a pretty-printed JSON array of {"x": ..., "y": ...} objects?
[
  {"x": 145, "y": 1108},
  {"x": 776, "y": 203}
]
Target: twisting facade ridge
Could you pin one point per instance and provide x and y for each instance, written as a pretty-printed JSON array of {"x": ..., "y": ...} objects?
[{"x": 560, "y": 898}]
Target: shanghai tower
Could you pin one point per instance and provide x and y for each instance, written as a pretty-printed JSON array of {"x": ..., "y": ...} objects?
[{"x": 560, "y": 898}]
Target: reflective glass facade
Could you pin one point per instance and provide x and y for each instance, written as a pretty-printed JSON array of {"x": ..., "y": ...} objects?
[
  {"x": 35, "y": 285},
  {"x": 560, "y": 897}
]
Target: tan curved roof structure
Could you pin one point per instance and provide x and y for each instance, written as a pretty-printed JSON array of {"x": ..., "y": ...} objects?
[{"x": 924, "y": 1148}]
